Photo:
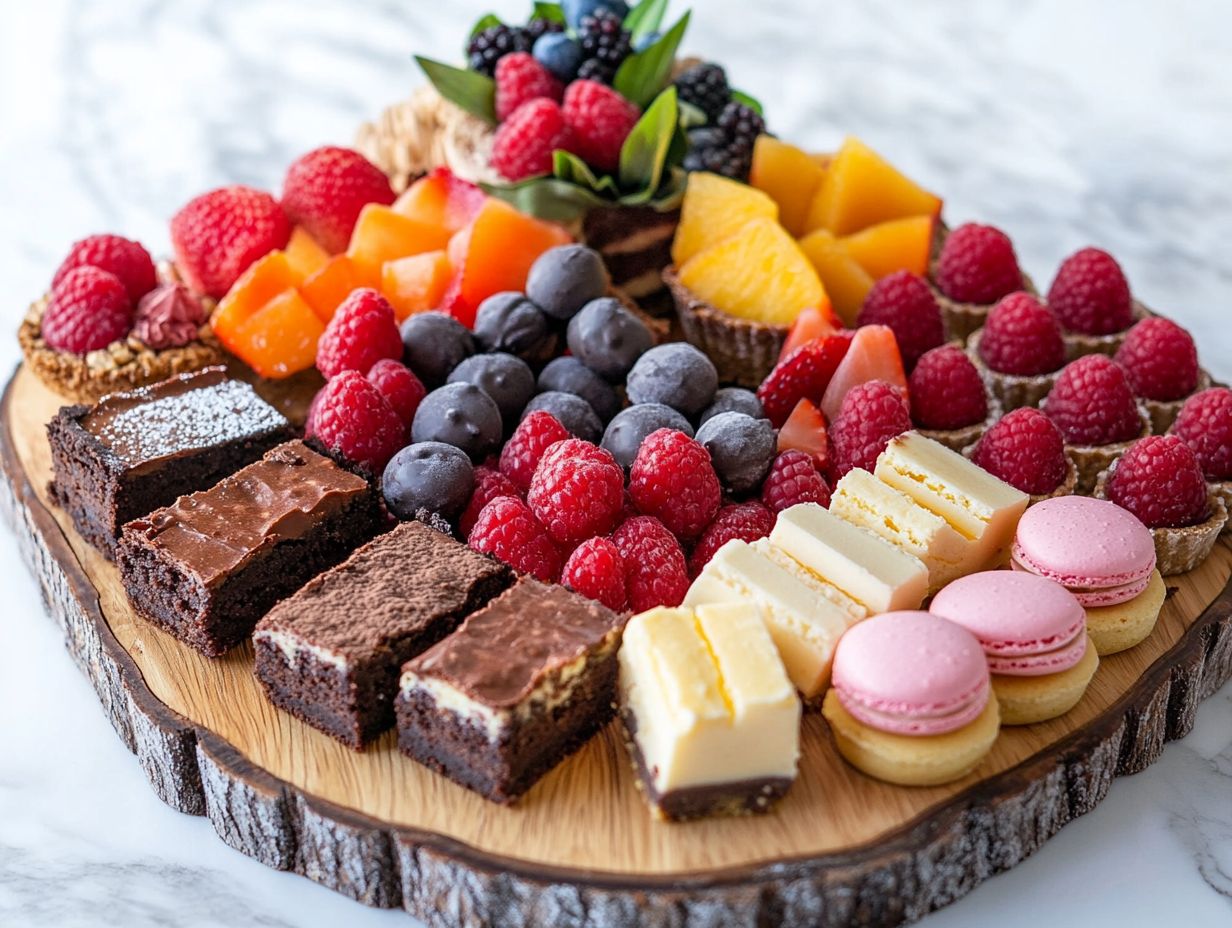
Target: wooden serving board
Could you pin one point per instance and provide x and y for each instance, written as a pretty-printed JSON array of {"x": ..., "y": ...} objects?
[{"x": 581, "y": 848}]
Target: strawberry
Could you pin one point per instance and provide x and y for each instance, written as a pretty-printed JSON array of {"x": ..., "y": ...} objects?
[
  {"x": 804, "y": 374},
  {"x": 325, "y": 189},
  {"x": 217, "y": 235},
  {"x": 805, "y": 430}
]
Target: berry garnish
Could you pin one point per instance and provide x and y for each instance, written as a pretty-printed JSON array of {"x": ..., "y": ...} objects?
[
  {"x": 429, "y": 476},
  {"x": 871, "y": 415},
  {"x": 596, "y": 570},
  {"x": 655, "y": 570},
  {"x": 325, "y": 190},
  {"x": 509, "y": 531},
  {"x": 1021, "y": 337},
  {"x": 462, "y": 415},
  {"x": 676, "y": 374},
  {"x": 1090, "y": 294},
  {"x": 523, "y": 145},
  {"x": 1092, "y": 403},
  {"x": 350, "y": 416},
  {"x": 88, "y": 309},
  {"x": 533, "y": 436},
  {"x": 1160, "y": 359},
  {"x": 629, "y": 427},
  {"x": 978, "y": 265},
  {"x": 1026, "y": 450},
  {"x": 508, "y": 380},
  {"x": 746, "y": 521},
  {"x": 128, "y": 260},
  {"x": 434, "y": 344},
  {"x": 489, "y": 484},
  {"x": 577, "y": 491},
  {"x": 1205, "y": 424},
  {"x": 903, "y": 302},
  {"x": 569, "y": 375},
  {"x": 217, "y": 235},
  {"x": 673, "y": 480},
  {"x": 510, "y": 322},
  {"x": 726, "y": 146},
  {"x": 599, "y": 121},
  {"x": 607, "y": 338},
  {"x": 803, "y": 374},
  {"x": 1160, "y": 481},
  {"x": 399, "y": 386},
  {"x": 565, "y": 278},
  {"x": 488, "y": 46},
  {"x": 560, "y": 54},
  {"x": 520, "y": 79},
  {"x": 805, "y": 430},
  {"x": 794, "y": 479},
  {"x": 733, "y": 399},
  {"x": 741, "y": 449},
  {"x": 705, "y": 86},
  {"x": 362, "y": 332},
  {"x": 605, "y": 43},
  {"x": 946, "y": 390},
  {"x": 573, "y": 412}
]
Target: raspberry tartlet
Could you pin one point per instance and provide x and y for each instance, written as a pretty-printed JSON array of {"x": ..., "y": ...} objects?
[
  {"x": 1026, "y": 450},
  {"x": 975, "y": 267},
  {"x": 1091, "y": 299},
  {"x": 1019, "y": 350},
  {"x": 950, "y": 401},
  {"x": 1160, "y": 481},
  {"x": 1205, "y": 424},
  {"x": 1161, "y": 361}
]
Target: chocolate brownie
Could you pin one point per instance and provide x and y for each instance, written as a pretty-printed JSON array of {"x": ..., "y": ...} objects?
[
  {"x": 207, "y": 567},
  {"x": 521, "y": 685},
  {"x": 330, "y": 654},
  {"x": 134, "y": 452}
]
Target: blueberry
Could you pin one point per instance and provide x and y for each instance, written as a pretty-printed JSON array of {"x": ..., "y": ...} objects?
[
  {"x": 677, "y": 375},
  {"x": 608, "y": 338},
  {"x": 435, "y": 344},
  {"x": 573, "y": 412},
  {"x": 559, "y": 54},
  {"x": 566, "y": 278},
  {"x": 430, "y": 475},
  {"x": 510, "y": 322},
  {"x": 575, "y": 10},
  {"x": 569, "y": 375},
  {"x": 741, "y": 449},
  {"x": 644, "y": 42},
  {"x": 629, "y": 429},
  {"x": 508, "y": 380},
  {"x": 733, "y": 399},
  {"x": 462, "y": 415}
]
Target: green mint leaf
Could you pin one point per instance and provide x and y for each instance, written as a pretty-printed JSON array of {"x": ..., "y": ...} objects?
[
  {"x": 646, "y": 148},
  {"x": 472, "y": 91},
  {"x": 548, "y": 198},
  {"x": 692, "y": 116},
  {"x": 646, "y": 17},
  {"x": 549, "y": 11},
  {"x": 643, "y": 76},
  {"x": 485, "y": 22},
  {"x": 570, "y": 168},
  {"x": 753, "y": 103}
]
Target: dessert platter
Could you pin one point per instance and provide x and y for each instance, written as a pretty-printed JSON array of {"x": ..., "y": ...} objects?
[{"x": 576, "y": 505}]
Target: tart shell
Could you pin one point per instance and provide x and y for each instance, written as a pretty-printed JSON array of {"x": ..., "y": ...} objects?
[
  {"x": 1012, "y": 391},
  {"x": 1180, "y": 550}
]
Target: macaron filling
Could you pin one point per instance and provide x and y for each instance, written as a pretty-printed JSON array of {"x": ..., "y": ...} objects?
[
  {"x": 1092, "y": 597},
  {"x": 1039, "y": 663},
  {"x": 902, "y": 719}
]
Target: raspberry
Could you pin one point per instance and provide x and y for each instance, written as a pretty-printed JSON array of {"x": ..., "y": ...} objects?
[
  {"x": 596, "y": 570},
  {"x": 127, "y": 259},
  {"x": 1160, "y": 481},
  {"x": 1092, "y": 403},
  {"x": 794, "y": 479},
  {"x": 325, "y": 190},
  {"x": 88, "y": 310},
  {"x": 672, "y": 479},
  {"x": 946, "y": 390},
  {"x": 978, "y": 265},
  {"x": 577, "y": 491},
  {"x": 217, "y": 235},
  {"x": 1090, "y": 294},
  {"x": 872, "y": 413},
  {"x": 533, "y": 436},
  {"x": 362, "y": 332},
  {"x": 520, "y": 79},
  {"x": 399, "y": 386},
  {"x": 1021, "y": 337},
  {"x": 903, "y": 302},
  {"x": 490, "y": 484},
  {"x": 803, "y": 374},
  {"x": 1026, "y": 450},
  {"x": 1205, "y": 424},
  {"x": 746, "y": 521},
  {"x": 509, "y": 531},
  {"x": 1160, "y": 360},
  {"x": 351, "y": 416},
  {"x": 524, "y": 143},
  {"x": 599, "y": 121},
  {"x": 655, "y": 571}
]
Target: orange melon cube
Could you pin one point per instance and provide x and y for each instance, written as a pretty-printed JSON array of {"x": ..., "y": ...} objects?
[
  {"x": 873, "y": 355},
  {"x": 383, "y": 235},
  {"x": 790, "y": 176},
  {"x": 441, "y": 199},
  {"x": 325, "y": 290},
  {"x": 897, "y": 245},
  {"x": 416, "y": 283},
  {"x": 304, "y": 254},
  {"x": 266, "y": 278},
  {"x": 715, "y": 208},
  {"x": 280, "y": 339},
  {"x": 845, "y": 279},
  {"x": 861, "y": 189}
]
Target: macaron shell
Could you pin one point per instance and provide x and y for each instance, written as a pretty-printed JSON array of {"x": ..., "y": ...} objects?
[
  {"x": 1014, "y": 615},
  {"x": 1096, "y": 598},
  {"x": 1079, "y": 541},
  {"x": 1036, "y": 665},
  {"x": 884, "y": 718}
]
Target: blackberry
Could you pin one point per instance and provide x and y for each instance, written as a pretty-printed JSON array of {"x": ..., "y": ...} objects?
[
  {"x": 538, "y": 28},
  {"x": 727, "y": 147},
  {"x": 604, "y": 41},
  {"x": 492, "y": 44},
  {"x": 705, "y": 86},
  {"x": 592, "y": 69},
  {"x": 742, "y": 123}
]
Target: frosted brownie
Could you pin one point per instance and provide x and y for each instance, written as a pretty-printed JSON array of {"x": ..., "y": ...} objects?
[
  {"x": 211, "y": 564},
  {"x": 521, "y": 685},
  {"x": 330, "y": 653},
  {"x": 133, "y": 452}
]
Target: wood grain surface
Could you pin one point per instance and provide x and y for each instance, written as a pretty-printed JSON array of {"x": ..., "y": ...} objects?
[{"x": 581, "y": 848}]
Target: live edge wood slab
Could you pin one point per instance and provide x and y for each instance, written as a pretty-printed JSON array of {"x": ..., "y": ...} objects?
[{"x": 581, "y": 850}]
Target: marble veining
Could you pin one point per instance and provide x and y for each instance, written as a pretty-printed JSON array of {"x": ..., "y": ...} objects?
[{"x": 1064, "y": 123}]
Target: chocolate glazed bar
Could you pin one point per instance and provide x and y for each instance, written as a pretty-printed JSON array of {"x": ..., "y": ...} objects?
[
  {"x": 134, "y": 452},
  {"x": 207, "y": 567},
  {"x": 524, "y": 683},
  {"x": 330, "y": 654}
]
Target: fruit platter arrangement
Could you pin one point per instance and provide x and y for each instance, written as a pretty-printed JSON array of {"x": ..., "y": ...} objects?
[{"x": 577, "y": 505}]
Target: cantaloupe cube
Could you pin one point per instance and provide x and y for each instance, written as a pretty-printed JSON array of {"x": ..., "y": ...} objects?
[
  {"x": 790, "y": 176},
  {"x": 713, "y": 209},
  {"x": 844, "y": 278},
  {"x": 441, "y": 199},
  {"x": 265, "y": 279},
  {"x": 897, "y": 245},
  {"x": 304, "y": 254},
  {"x": 861, "y": 189},
  {"x": 325, "y": 290},
  {"x": 280, "y": 339},
  {"x": 758, "y": 273},
  {"x": 416, "y": 283},
  {"x": 382, "y": 235}
]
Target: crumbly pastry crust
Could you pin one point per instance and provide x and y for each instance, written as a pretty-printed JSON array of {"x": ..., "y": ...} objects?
[
  {"x": 1013, "y": 391},
  {"x": 1180, "y": 550},
  {"x": 962, "y": 319},
  {"x": 961, "y": 439},
  {"x": 1092, "y": 460},
  {"x": 1078, "y": 344},
  {"x": 1121, "y": 626},
  {"x": 1068, "y": 487},
  {"x": 1164, "y": 412}
]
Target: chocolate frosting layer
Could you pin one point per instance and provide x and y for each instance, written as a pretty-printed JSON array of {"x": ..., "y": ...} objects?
[
  {"x": 502, "y": 652},
  {"x": 282, "y": 496},
  {"x": 179, "y": 416}
]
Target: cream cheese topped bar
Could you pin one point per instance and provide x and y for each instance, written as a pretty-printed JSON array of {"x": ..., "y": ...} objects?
[{"x": 713, "y": 722}]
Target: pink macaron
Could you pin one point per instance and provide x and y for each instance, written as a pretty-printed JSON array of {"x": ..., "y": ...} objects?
[
  {"x": 1100, "y": 552},
  {"x": 911, "y": 673},
  {"x": 1027, "y": 625}
]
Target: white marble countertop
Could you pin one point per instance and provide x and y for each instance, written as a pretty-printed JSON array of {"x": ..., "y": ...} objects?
[{"x": 1065, "y": 123}]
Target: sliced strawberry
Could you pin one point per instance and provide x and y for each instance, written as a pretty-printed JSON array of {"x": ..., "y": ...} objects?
[
  {"x": 804, "y": 374},
  {"x": 873, "y": 355},
  {"x": 805, "y": 430},
  {"x": 810, "y": 324}
]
